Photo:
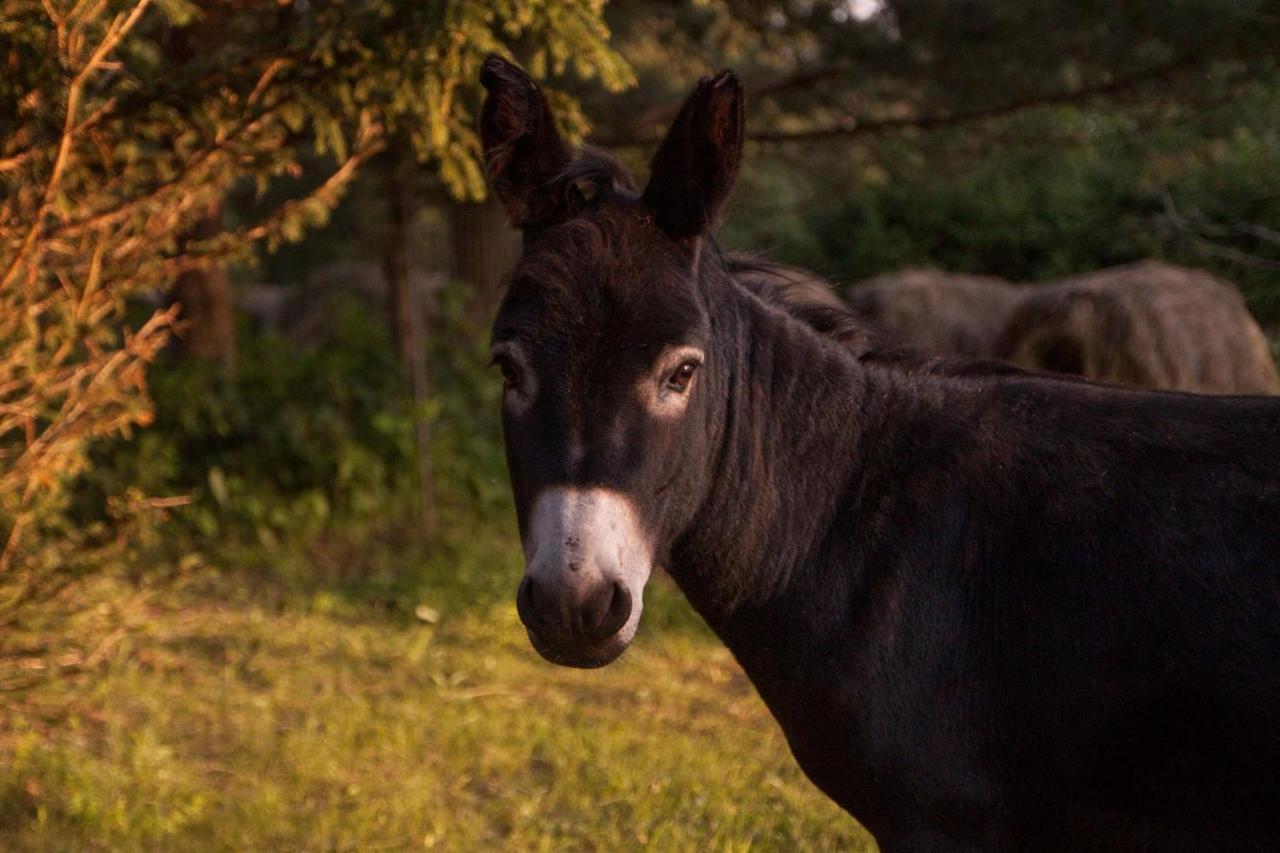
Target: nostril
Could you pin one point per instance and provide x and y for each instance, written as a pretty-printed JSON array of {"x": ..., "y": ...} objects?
[
  {"x": 595, "y": 618},
  {"x": 524, "y": 603},
  {"x": 617, "y": 614}
]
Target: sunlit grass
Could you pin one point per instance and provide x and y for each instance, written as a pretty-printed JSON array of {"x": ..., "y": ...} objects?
[{"x": 222, "y": 717}]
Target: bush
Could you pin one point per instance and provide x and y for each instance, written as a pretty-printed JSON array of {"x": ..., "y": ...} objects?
[
  {"x": 1033, "y": 215},
  {"x": 304, "y": 442},
  {"x": 1035, "y": 197},
  {"x": 294, "y": 438}
]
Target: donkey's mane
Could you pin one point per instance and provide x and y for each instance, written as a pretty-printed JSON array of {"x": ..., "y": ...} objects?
[
  {"x": 813, "y": 300},
  {"x": 804, "y": 295}
]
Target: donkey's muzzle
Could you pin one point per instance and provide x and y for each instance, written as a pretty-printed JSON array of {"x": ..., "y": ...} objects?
[
  {"x": 587, "y": 559},
  {"x": 566, "y": 617}
]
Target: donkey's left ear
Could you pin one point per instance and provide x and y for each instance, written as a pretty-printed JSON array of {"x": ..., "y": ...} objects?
[
  {"x": 523, "y": 151},
  {"x": 690, "y": 176}
]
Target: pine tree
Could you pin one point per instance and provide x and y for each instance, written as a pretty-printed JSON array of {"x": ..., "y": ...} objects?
[{"x": 113, "y": 154}]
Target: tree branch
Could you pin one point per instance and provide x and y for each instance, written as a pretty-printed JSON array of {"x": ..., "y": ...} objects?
[
  {"x": 116, "y": 30},
  {"x": 661, "y": 114},
  {"x": 1199, "y": 231},
  {"x": 933, "y": 122},
  {"x": 851, "y": 126}
]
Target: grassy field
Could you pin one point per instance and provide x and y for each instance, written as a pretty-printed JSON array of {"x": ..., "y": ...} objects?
[{"x": 204, "y": 709}]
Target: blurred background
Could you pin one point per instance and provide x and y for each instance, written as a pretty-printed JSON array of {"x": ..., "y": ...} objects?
[{"x": 258, "y": 552}]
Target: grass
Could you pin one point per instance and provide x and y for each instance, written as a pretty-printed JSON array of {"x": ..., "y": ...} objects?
[
  {"x": 211, "y": 711},
  {"x": 260, "y": 675},
  {"x": 257, "y": 692}
]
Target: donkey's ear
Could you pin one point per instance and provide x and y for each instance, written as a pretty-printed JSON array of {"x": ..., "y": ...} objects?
[
  {"x": 690, "y": 176},
  {"x": 523, "y": 151}
]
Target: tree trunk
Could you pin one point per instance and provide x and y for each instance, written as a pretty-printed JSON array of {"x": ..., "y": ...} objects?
[
  {"x": 401, "y": 304},
  {"x": 484, "y": 249},
  {"x": 207, "y": 309},
  {"x": 405, "y": 314}
]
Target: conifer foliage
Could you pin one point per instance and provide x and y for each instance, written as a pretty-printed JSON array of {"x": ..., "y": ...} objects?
[{"x": 122, "y": 123}]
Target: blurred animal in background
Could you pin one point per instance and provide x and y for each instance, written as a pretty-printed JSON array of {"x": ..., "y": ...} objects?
[
  {"x": 1147, "y": 324},
  {"x": 937, "y": 312},
  {"x": 1150, "y": 324}
]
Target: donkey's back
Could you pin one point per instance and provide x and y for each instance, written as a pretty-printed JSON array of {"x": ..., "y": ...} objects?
[{"x": 1071, "y": 637}]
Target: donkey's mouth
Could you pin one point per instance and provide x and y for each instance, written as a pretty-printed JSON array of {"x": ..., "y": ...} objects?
[{"x": 581, "y": 656}]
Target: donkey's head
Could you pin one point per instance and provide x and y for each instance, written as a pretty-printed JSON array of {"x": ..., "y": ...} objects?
[{"x": 604, "y": 340}]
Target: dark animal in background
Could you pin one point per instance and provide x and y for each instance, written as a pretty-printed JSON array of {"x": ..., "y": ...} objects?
[
  {"x": 1149, "y": 324},
  {"x": 937, "y": 312},
  {"x": 990, "y": 611}
]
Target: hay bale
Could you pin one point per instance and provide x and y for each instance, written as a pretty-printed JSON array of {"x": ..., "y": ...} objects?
[{"x": 1150, "y": 324}]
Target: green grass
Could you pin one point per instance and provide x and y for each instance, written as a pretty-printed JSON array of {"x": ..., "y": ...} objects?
[
  {"x": 206, "y": 710},
  {"x": 255, "y": 677}
]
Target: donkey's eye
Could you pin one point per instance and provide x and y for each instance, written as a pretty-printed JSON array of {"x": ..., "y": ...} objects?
[
  {"x": 510, "y": 372},
  {"x": 681, "y": 377}
]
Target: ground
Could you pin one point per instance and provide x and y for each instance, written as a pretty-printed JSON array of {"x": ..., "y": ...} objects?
[{"x": 212, "y": 713}]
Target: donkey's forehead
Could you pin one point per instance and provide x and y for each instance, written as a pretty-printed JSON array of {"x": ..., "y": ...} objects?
[{"x": 613, "y": 277}]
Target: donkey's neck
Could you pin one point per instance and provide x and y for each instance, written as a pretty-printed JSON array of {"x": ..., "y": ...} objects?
[{"x": 787, "y": 464}]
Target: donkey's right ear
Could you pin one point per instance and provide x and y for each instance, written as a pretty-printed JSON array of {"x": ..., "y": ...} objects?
[
  {"x": 523, "y": 151},
  {"x": 694, "y": 168}
]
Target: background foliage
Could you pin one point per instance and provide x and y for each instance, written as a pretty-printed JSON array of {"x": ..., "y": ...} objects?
[{"x": 124, "y": 124}]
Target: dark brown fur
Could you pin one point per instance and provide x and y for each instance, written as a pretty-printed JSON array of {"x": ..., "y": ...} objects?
[{"x": 806, "y": 296}]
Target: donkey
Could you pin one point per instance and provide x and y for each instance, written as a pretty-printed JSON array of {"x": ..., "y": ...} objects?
[
  {"x": 989, "y": 611},
  {"x": 806, "y": 296}
]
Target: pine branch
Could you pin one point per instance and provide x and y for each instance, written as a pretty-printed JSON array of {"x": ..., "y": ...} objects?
[{"x": 116, "y": 31}]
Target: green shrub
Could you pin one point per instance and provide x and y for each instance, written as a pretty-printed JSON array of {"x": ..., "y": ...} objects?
[
  {"x": 1030, "y": 215},
  {"x": 305, "y": 441},
  {"x": 296, "y": 437},
  {"x": 1035, "y": 197}
]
